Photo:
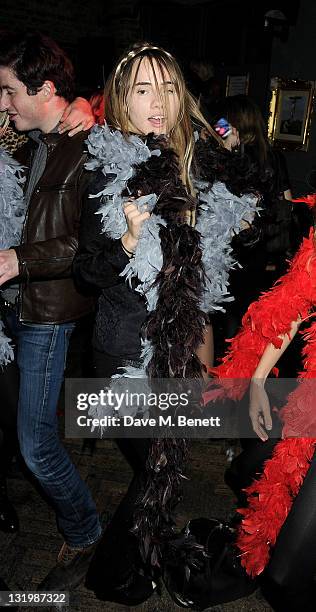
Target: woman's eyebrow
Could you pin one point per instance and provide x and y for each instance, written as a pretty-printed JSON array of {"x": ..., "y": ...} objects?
[{"x": 149, "y": 83}]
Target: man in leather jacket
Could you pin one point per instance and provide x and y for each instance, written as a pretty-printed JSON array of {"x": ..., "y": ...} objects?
[{"x": 42, "y": 303}]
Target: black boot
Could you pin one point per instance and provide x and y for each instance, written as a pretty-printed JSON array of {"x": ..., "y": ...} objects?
[
  {"x": 219, "y": 579},
  {"x": 137, "y": 589},
  {"x": 122, "y": 580},
  {"x": 9, "y": 521}
]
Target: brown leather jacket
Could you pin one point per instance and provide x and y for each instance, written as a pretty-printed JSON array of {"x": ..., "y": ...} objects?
[{"x": 49, "y": 239}]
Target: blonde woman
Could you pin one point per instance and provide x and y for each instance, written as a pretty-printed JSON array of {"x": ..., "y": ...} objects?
[{"x": 156, "y": 216}]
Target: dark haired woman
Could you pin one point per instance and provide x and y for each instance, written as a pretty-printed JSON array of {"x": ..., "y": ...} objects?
[{"x": 262, "y": 255}]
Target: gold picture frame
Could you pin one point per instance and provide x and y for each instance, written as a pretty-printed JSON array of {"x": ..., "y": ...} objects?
[{"x": 291, "y": 110}]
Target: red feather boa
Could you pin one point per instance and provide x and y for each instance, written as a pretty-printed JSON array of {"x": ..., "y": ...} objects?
[
  {"x": 271, "y": 496},
  {"x": 310, "y": 200},
  {"x": 270, "y": 499}
]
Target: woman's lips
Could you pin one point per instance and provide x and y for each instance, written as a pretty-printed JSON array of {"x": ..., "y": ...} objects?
[{"x": 156, "y": 122}]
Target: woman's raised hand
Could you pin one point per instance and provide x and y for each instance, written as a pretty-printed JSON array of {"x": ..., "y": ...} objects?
[
  {"x": 259, "y": 409},
  {"x": 232, "y": 140},
  {"x": 134, "y": 220}
]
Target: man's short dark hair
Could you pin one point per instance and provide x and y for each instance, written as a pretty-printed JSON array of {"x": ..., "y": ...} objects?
[{"x": 35, "y": 58}]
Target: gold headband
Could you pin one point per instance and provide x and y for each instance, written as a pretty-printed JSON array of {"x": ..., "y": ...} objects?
[{"x": 133, "y": 53}]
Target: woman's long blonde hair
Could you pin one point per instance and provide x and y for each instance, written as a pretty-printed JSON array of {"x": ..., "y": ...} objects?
[{"x": 117, "y": 89}]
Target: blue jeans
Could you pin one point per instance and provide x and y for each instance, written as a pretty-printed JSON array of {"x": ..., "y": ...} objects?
[{"x": 41, "y": 358}]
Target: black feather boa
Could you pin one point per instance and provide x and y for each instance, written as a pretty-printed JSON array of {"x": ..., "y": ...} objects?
[
  {"x": 175, "y": 329},
  {"x": 240, "y": 173},
  {"x": 160, "y": 174}
]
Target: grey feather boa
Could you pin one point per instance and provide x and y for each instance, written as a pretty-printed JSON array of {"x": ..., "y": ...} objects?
[
  {"x": 12, "y": 215},
  {"x": 171, "y": 278},
  {"x": 220, "y": 215}
]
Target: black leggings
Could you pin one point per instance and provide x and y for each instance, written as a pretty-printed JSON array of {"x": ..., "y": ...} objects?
[
  {"x": 118, "y": 550},
  {"x": 248, "y": 465},
  {"x": 289, "y": 575}
]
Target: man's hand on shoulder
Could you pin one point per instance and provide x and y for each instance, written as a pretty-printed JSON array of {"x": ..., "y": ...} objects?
[
  {"x": 9, "y": 265},
  {"x": 77, "y": 117}
]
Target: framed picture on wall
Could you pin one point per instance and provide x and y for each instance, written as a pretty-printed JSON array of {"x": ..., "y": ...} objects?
[
  {"x": 237, "y": 84},
  {"x": 291, "y": 109}
]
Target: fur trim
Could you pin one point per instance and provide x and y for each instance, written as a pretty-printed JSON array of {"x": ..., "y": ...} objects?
[{"x": 12, "y": 214}]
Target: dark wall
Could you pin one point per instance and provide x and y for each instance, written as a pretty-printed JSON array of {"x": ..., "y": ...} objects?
[
  {"x": 295, "y": 59},
  {"x": 92, "y": 31},
  {"x": 65, "y": 20},
  {"x": 230, "y": 33}
]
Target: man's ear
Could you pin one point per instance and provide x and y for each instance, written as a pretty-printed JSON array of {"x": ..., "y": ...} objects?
[{"x": 48, "y": 90}]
